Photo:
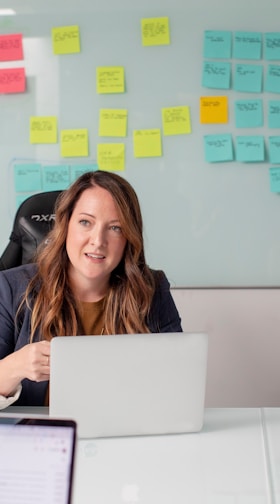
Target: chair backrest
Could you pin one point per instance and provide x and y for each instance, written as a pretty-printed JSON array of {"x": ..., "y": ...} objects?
[{"x": 33, "y": 220}]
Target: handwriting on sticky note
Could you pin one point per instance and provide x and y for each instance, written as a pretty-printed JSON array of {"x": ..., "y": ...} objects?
[
  {"x": 74, "y": 142},
  {"x": 27, "y": 177},
  {"x": 213, "y": 109},
  {"x": 56, "y": 177},
  {"x": 155, "y": 31},
  {"x": 250, "y": 148},
  {"x": 111, "y": 157},
  {"x": 43, "y": 129},
  {"x": 11, "y": 47},
  {"x": 218, "y": 148},
  {"x": 66, "y": 40},
  {"x": 274, "y": 176},
  {"x": 176, "y": 120},
  {"x": 113, "y": 122},
  {"x": 110, "y": 79},
  {"x": 147, "y": 143},
  {"x": 12, "y": 80}
]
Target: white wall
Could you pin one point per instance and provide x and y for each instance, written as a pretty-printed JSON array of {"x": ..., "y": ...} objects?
[{"x": 244, "y": 342}]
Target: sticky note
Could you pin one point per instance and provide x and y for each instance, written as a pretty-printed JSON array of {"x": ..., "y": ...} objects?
[
  {"x": 112, "y": 122},
  {"x": 250, "y": 148},
  {"x": 217, "y": 44},
  {"x": 56, "y": 177},
  {"x": 147, "y": 143},
  {"x": 155, "y": 31},
  {"x": 248, "y": 113},
  {"x": 74, "y": 142},
  {"x": 274, "y": 113},
  {"x": 27, "y": 177},
  {"x": 272, "y": 46},
  {"x": 274, "y": 178},
  {"x": 213, "y": 109},
  {"x": 43, "y": 129},
  {"x": 66, "y": 40},
  {"x": 274, "y": 149},
  {"x": 176, "y": 120},
  {"x": 272, "y": 79},
  {"x": 216, "y": 74},
  {"x": 248, "y": 78},
  {"x": 218, "y": 148},
  {"x": 11, "y": 47},
  {"x": 12, "y": 80},
  {"x": 247, "y": 45},
  {"x": 77, "y": 170},
  {"x": 110, "y": 79},
  {"x": 110, "y": 156}
]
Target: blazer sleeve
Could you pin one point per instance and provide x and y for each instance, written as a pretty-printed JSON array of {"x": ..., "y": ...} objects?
[{"x": 163, "y": 316}]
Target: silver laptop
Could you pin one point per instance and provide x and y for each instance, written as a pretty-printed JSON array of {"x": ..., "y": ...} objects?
[
  {"x": 128, "y": 385},
  {"x": 36, "y": 459}
]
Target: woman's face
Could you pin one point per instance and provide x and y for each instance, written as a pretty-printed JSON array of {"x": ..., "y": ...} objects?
[{"x": 94, "y": 243}]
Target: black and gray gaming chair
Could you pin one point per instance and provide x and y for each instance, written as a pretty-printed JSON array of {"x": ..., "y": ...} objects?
[{"x": 34, "y": 218}]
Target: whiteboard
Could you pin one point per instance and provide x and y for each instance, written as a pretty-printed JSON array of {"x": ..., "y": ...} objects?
[{"x": 205, "y": 224}]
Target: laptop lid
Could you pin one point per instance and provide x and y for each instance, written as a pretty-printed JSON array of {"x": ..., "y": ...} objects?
[
  {"x": 36, "y": 459},
  {"x": 121, "y": 385}
]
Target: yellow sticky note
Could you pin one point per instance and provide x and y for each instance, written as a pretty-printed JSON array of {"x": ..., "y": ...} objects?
[
  {"x": 147, "y": 143},
  {"x": 110, "y": 79},
  {"x": 155, "y": 31},
  {"x": 113, "y": 122},
  {"x": 74, "y": 142},
  {"x": 110, "y": 156},
  {"x": 43, "y": 129},
  {"x": 213, "y": 109},
  {"x": 176, "y": 120},
  {"x": 66, "y": 40}
]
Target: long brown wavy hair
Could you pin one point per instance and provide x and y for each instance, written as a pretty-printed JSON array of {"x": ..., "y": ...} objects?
[{"x": 132, "y": 284}]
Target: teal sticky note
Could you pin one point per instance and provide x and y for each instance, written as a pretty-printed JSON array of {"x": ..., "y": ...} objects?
[
  {"x": 250, "y": 149},
  {"x": 77, "y": 170},
  {"x": 272, "y": 46},
  {"x": 274, "y": 113},
  {"x": 248, "y": 78},
  {"x": 272, "y": 79},
  {"x": 56, "y": 177},
  {"x": 248, "y": 113},
  {"x": 218, "y": 148},
  {"x": 274, "y": 149},
  {"x": 216, "y": 74},
  {"x": 247, "y": 45},
  {"x": 27, "y": 177},
  {"x": 217, "y": 44},
  {"x": 274, "y": 178}
]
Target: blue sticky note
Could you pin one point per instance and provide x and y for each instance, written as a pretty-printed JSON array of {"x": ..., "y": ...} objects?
[
  {"x": 272, "y": 46},
  {"x": 248, "y": 78},
  {"x": 274, "y": 113},
  {"x": 56, "y": 178},
  {"x": 27, "y": 177},
  {"x": 248, "y": 113},
  {"x": 247, "y": 45},
  {"x": 274, "y": 177},
  {"x": 272, "y": 79},
  {"x": 217, "y": 44},
  {"x": 250, "y": 148},
  {"x": 77, "y": 170},
  {"x": 216, "y": 75},
  {"x": 218, "y": 148},
  {"x": 274, "y": 149}
]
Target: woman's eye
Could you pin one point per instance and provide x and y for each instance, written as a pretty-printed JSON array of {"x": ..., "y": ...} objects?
[
  {"x": 84, "y": 222},
  {"x": 117, "y": 229}
]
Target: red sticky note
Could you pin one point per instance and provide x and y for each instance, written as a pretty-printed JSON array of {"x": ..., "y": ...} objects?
[
  {"x": 11, "y": 47},
  {"x": 12, "y": 80}
]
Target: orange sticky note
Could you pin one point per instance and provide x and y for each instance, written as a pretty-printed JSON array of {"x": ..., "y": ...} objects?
[
  {"x": 12, "y": 80},
  {"x": 11, "y": 47},
  {"x": 213, "y": 109}
]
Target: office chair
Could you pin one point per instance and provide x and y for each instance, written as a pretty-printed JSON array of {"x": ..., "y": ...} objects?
[{"x": 33, "y": 220}]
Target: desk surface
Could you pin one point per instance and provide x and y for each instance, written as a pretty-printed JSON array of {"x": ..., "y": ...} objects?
[{"x": 226, "y": 463}]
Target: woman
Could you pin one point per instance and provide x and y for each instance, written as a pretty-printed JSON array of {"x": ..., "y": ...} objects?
[{"x": 90, "y": 277}]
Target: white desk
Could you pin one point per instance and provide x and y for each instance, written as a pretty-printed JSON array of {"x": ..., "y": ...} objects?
[
  {"x": 271, "y": 417},
  {"x": 226, "y": 463}
]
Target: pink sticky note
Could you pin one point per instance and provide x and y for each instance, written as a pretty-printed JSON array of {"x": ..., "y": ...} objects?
[
  {"x": 12, "y": 80},
  {"x": 11, "y": 47}
]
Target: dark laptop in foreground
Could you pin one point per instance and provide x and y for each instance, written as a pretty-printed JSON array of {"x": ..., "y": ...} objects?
[
  {"x": 129, "y": 385},
  {"x": 36, "y": 459}
]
